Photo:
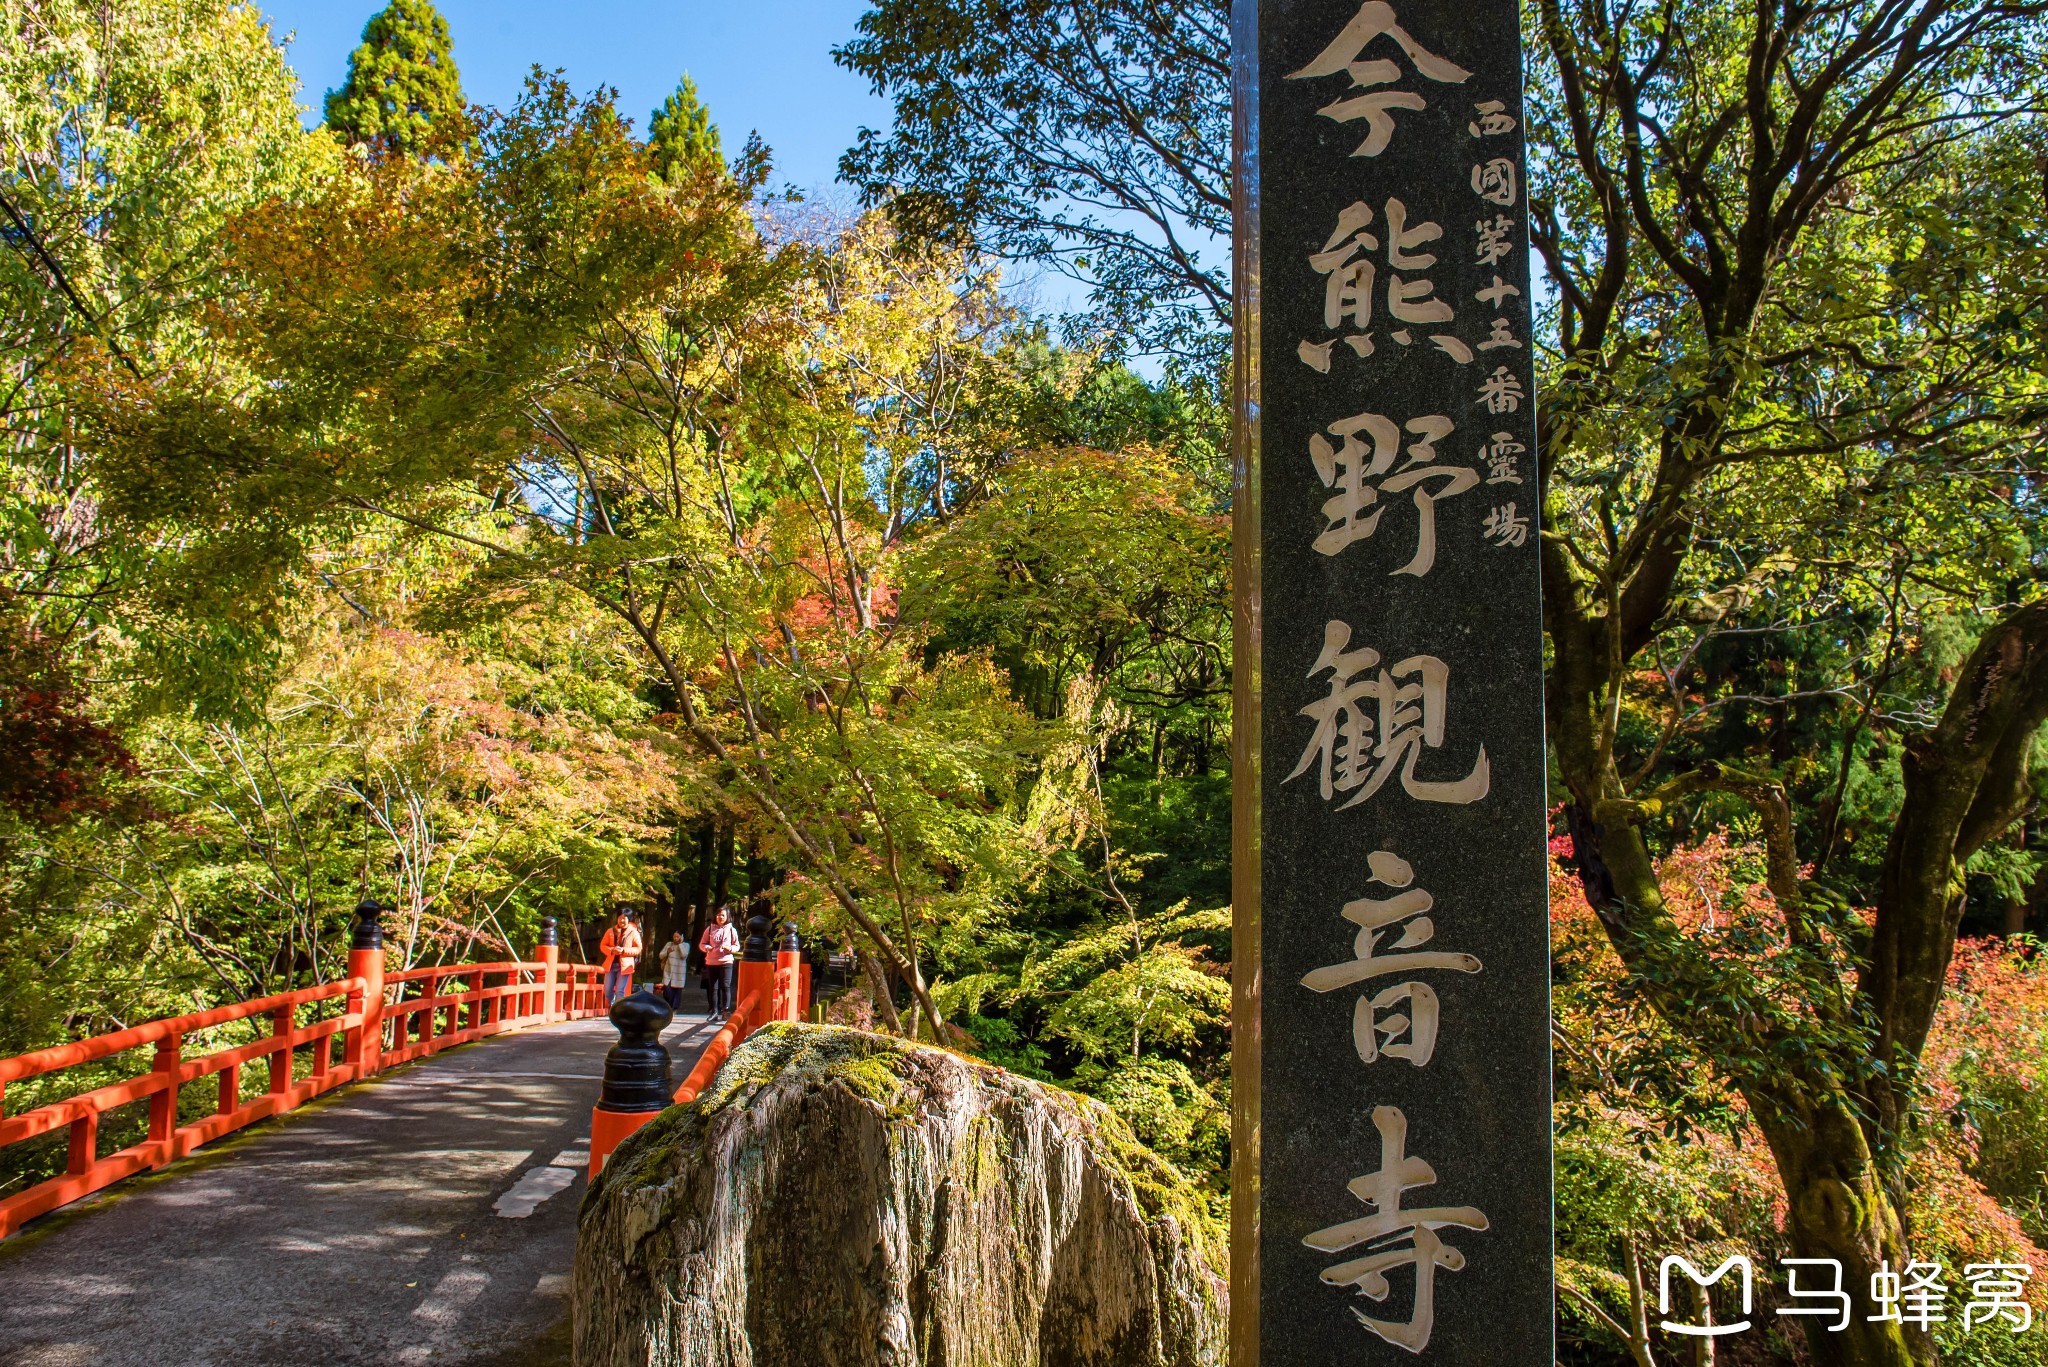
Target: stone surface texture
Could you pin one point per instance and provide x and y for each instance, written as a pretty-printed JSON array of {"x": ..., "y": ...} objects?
[{"x": 843, "y": 1199}]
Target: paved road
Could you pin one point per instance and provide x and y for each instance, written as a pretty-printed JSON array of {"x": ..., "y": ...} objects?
[{"x": 428, "y": 1216}]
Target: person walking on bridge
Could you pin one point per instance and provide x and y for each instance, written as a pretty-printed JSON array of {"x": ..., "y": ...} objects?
[
  {"x": 719, "y": 943},
  {"x": 621, "y": 949},
  {"x": 675, "y": 970}
]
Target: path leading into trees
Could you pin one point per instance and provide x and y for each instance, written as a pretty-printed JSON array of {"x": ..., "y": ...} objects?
[{"x": 426, "y": 1216}]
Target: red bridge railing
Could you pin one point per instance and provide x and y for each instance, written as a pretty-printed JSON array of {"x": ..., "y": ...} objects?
[
  {"x": 384, "y": 1020},
  {"x": 777, "y": 989}
]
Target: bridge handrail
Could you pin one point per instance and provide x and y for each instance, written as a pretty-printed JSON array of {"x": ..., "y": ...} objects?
[
  {"x": 770, "y": 990},
  {"x": 737, "y": 1027},
  {"x": 380, "y": 1027},
  {"x": 34, "y": 1064},
  {"x": 419, "y": 971}
]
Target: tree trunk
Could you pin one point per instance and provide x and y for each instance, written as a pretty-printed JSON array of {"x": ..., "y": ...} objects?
[
  {"x": 700, "y": 888},
  {"x": 722, "y": 879},
  {"x": 1840, "y": 1209},
  {"x": 879, "y": 991},
  {"x": 2014, "y": 921}
]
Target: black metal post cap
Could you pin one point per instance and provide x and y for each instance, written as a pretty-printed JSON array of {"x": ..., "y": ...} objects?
[
  {"x": 790, "y": 943},
  {"x": 547, "y": 931},
  {"x": 369, "y": 933},
  {"x": 636, "y": 1069},
  {"x": 756, "y": 950}
]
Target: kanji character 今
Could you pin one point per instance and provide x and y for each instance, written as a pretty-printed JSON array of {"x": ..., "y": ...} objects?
[{"x": 1346, "y": 53}]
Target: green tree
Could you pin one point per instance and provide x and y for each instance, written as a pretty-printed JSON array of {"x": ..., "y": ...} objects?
[
  {"x": 1776, "y": 407},
  {"x": 681, "y": 139},
  {"x": 1092, "y": 139},
  {"x": 1793, "y": 549},
  {"x": 676, "y": 422},
  {"x": 402, "y": 90},
  {"x": 137, "y": 133}
]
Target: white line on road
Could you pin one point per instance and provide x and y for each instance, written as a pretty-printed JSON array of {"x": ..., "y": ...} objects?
[{"x": 530, "y": 1190}]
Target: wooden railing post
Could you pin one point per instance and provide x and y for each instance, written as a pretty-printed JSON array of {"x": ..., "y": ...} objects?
[
  {"x": 323, "y": 1050},
  {"x": 85, "y": 1144},
  {"x": 281, "y": 1060},
  {"x": 788, "y": 970},
  {"x": 636, "y": 1078},
  {"x": 365, "y": 1046},
  {"x": 757, "y": 969},
  {"x": 550, "y": 955},
  {"x": 163, "y": 1103}
]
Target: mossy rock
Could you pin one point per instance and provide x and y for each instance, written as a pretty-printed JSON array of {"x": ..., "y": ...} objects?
[{"x": 843, "y": 1199}]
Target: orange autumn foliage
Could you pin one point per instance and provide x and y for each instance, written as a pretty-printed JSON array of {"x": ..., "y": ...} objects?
[{"x": 1983, "y": 1069}]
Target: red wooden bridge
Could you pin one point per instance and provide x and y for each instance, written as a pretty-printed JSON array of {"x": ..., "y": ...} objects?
[{"x": 409, "y": 1220}]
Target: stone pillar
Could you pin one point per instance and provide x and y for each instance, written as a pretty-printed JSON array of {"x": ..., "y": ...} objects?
[{"x": 1390, "y": 1025}]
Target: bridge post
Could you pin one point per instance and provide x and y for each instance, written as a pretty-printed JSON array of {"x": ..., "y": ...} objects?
[
  {"x": 163, "y": 1103},
  {"x": 365, "y": 1045},
  {"x": 550, "y": 955},
  {"x": 637, "y": 1086},
  {"x": 788, "y": 971},
  {"x": 281, "y": 1061},
  {"x": 757, "y": 966}
]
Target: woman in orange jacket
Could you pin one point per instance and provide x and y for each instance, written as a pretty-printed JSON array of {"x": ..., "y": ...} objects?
[{"x": 621, "y": 950}]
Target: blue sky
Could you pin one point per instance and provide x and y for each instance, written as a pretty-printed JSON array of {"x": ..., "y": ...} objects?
[{"x": 759, "y": 64}]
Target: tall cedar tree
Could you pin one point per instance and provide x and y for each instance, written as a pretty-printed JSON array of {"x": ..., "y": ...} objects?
[
  {"x": 681, "y": 139},
  {"x": 401, "y": 81}
]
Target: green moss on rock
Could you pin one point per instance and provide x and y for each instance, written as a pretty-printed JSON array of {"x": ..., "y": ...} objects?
[{"x": 840, "y": 1197}]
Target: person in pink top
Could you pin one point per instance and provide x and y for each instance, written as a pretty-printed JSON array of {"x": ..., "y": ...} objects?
[{"x": 720, "y": 943}]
